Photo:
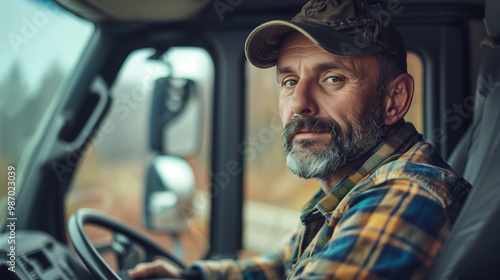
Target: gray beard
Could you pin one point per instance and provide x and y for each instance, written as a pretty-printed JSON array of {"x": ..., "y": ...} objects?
[{"x": 309, "y": 159}]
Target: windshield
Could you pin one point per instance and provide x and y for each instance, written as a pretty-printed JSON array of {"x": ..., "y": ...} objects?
[{"x": 40, "y": 47}]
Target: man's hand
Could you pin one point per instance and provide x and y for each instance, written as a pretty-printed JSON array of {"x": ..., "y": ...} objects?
[{"x": 158, "y": 268}]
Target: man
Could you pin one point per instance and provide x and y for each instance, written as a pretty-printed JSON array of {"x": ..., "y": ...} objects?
[{"x": 387, "y": 200}]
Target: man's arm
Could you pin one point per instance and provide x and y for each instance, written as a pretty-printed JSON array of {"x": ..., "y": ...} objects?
[{"x": 267, "y": 266}]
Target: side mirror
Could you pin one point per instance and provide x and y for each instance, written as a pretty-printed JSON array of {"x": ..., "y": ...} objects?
[
  {"x": 176, "y": 117},
  {"x": 169, "y": 191}
]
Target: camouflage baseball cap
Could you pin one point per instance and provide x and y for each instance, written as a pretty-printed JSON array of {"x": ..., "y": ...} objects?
[{"x": 341, "y": 27}]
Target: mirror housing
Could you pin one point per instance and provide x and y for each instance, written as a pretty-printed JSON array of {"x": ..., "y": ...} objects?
[
  {"x": 176, "y": 99},
  {"x": 168, "y": 195}
]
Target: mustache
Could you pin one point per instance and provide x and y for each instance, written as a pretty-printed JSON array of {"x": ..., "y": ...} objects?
[{"x": 313, "y": 124}]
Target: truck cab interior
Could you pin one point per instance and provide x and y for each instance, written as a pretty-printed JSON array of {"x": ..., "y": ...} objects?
[{"x": 136, "y": 129}]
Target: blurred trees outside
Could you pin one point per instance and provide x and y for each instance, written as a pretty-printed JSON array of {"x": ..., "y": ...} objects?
[{"x": 21, "y": 110}]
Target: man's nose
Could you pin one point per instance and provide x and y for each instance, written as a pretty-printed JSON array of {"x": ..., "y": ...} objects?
[{"x": 303, "y": 101}]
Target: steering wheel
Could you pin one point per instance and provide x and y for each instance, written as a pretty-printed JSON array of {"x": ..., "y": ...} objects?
[{"x": 88, "y": 253}]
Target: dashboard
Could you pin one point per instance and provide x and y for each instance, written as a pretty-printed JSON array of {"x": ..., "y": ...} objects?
[{"x": 38, "y": 256}]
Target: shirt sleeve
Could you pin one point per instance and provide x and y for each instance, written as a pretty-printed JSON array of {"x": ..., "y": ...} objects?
[
  {"x": 266, "y": 266},
  {"x": 392, "y": 231}
]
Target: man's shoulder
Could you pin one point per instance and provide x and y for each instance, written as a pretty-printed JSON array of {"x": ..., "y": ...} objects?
[
  {"x": 424, "y": 153},
  {"x": 420, "y": 162},
  {"x": 419, "y": 173},
  {"x": 422, "y": 166}
]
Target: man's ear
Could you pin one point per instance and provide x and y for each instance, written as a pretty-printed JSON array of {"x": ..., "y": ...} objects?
[{"x": 398, "y": 97}]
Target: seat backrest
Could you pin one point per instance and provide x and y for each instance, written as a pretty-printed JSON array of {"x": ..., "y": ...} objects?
[{"x": 472, "y": 249}]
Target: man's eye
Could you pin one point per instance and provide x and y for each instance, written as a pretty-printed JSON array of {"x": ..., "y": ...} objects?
[
  {"x": 290, "y": 83},
  {"x": 334, "y": 79}
]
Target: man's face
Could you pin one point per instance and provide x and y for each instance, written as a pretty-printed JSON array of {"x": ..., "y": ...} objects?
[{"x": 330, "y": 106}]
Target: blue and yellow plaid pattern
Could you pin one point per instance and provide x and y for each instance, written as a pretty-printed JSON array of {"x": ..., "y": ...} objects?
[{"x": 387, "y": 220}]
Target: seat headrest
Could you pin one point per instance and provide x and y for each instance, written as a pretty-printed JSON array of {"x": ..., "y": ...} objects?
[{"x": 492, "y": 18}]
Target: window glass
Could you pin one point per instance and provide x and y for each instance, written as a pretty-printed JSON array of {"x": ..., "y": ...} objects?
[
  {"x": 273, "y": 194},
  {"x": 112, "y": 175},
  {"x": 416, "y": 113},
  {"x": 41, "y": 44}
]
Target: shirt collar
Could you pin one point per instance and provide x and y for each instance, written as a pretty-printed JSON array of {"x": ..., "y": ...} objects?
[{"x": 386, "y": 151}]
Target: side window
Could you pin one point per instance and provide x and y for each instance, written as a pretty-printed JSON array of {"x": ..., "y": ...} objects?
[
  {"x": 113, "y": 175},
  {"x": 32, "y": 72},
  {"x": 273, "y": 194},
  {"x": 416, "y": 113}
]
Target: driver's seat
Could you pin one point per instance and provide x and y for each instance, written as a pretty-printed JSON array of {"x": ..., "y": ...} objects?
[{"x": 472, "y": 250}]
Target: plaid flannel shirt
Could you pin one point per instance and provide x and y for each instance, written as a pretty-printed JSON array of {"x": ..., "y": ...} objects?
[{"x": 387, "y": 220}]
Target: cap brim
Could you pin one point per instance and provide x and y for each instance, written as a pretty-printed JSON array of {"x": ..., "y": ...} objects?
[{"x": 263, "y": 43}]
